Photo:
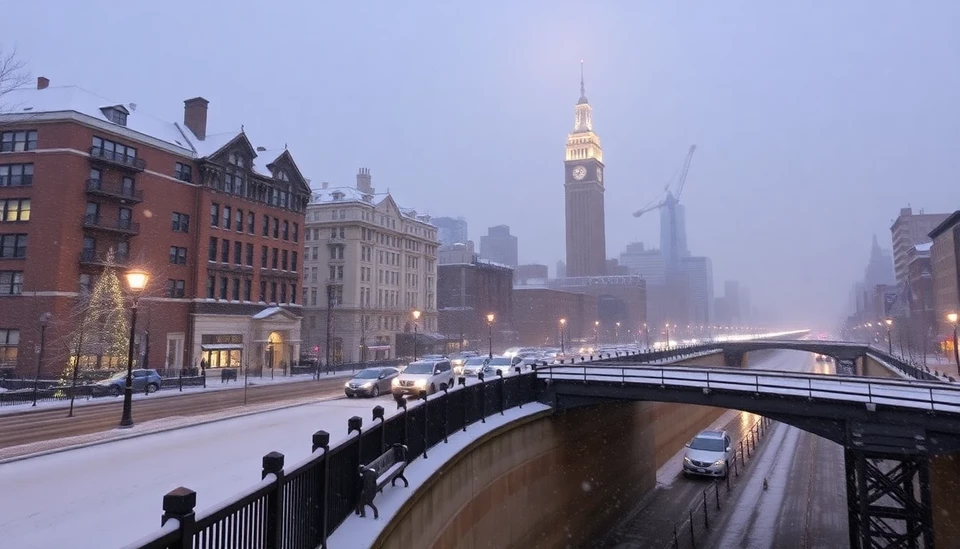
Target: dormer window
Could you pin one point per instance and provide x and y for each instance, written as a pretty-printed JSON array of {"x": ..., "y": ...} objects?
[
  {"x": 236, "y": 160},
  {"x": 282, "y": 175},
  {"x": 116, "y": 114},
  {"x": 337, "y": 195}
]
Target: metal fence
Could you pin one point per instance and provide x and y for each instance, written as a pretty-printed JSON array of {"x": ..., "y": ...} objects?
[
  {"x": 298, "y": 506},
  {"x": 23, "y": 391}
]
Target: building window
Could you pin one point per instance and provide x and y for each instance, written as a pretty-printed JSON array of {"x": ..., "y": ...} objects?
[
  {"x": 250, "y": 222},
  {"x": 236, "y": 289},
  {"x": 283, "y": 259},
  {"x": 283, "y": 293},
  {"x": 113, "y": 151},
  {"x": 266, "y": 225},
  {"x": 181, "y": 223},
  {"x": 313, "y": 297},
  {"x": 247, "y": 287},
  {"x": 9, "y": 342},
  {"x": 211, "y": 287},
  {"x": 293, "y": 293},
  {"x": 293, "y": 261},
  {"x": 116, "y": 115},
  {"x": 275, "y": 261},
  {"x": 296, "y": 232},
  {"x": 237, "y": 252},
  {"x": 15, "y": 209},
  {"x": 183, "y": 172},
  {"x": 276, "y": 228},
  {"x": 225, "y": 251},
  {"x": 249, "y": 254},
  {"x": 176, "y": 288},
  {"x": 239, "y": 221},
  {"x": 178, "y": 255},
  {"x": 263, "y": 257},
  {"x": 273, "y": 292},
  {"x": 226, "y": 217},
  {"x": 86, "y": 284},
  {"x": 263, "y": 290},
  {"x": 11, "y": 282},
  {"x": 13, "y": 246},
  {"x": 224, "y": 282},
  {"x": 285, "y": 233},
  {"x": 316, "y": 252},
  {"x": 212, "y": 250},
  {"x": 24, "y": 140},
  {"x": 16, "y": 175},
  {"x": 214, "y": 215}
]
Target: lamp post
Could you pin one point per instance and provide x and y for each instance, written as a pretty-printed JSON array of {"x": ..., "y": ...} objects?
[
  {"x": 616, "y": 335},
  {"x": 889, "y": 323},
  {"x": 952, "y": 317},
  {"x": 646, "y": 334},
  {"x": 667, "y": 330},
  {"x": 137, "y": 282},
  {"x": 490, "y": 318},
  {"x": 563, "y": 322},
  {"x": 416, "y": 317},
  {"x": 596, "y": 334},
  {"x": 44, "y": 320}
]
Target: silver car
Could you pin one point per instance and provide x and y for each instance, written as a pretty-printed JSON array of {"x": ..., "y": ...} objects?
[
  {"x": 709, "y": 454},
  {"x": 472, "y": 366},
  {"x": 371, "y": 382}
]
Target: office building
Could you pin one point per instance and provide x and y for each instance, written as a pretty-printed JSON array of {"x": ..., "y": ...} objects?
[
  {"x": 907, "y": 231},
  {"x": 450, "y": 230},
  {"x": 499, "y": 246}
]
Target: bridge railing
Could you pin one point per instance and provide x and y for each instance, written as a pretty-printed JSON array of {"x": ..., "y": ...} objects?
[
  {"x": 297, "y": 506},
  {"x": 886, "y": 392},
  {"x": 905, "y": 367}
]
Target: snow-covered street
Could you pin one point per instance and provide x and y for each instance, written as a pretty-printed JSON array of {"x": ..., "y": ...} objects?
[{"x": 110, "y": 494}]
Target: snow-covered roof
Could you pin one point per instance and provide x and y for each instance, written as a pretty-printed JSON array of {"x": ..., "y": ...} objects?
[
  {"x": 925, "y": 247},
  {"x": 340, "y": 195},
  {"x": 267, "y": 313},
  {"x": 31, "y": 102}
]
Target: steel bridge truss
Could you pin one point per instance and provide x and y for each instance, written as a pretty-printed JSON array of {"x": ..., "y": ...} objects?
[{"x": 888, "y": 500}]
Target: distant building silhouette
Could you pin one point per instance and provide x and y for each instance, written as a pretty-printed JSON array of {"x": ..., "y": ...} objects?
[
  {"x": 499, "y": 246},
  {"x": 450, "y": 230}
]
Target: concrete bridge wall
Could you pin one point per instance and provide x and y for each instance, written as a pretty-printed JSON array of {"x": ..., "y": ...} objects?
[{"x": 551, "y": 480}]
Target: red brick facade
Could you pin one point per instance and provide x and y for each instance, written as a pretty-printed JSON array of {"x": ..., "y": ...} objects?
[{"x": 537, "y": 313}]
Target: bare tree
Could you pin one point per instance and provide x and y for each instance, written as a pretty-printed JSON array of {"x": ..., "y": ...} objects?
[{"x": 13, "y": 74}]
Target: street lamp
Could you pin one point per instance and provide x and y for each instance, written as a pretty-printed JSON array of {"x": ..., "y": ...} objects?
[
  {"x": 137, "y": 282},
  {"x": 563, "y": 322},
  {"x": 490, "y": 318},
  {"x": 416, "y": 317},
  {"x": 44, "y": 321},
  {"x": 646, "y": 334},
  {"x": 596, "y": 334},
  {"x": 889, "y": 322},
  {"x": 952, "y": 317},
  {"x": 616, "y": 335},
  {"x": 668, "y": 334}
]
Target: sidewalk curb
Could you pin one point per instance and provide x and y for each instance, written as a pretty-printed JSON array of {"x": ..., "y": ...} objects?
[{"x": 51, "y": 451}]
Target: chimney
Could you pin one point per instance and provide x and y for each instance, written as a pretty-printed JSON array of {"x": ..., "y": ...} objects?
[
  {"x": 195, "y": 116},
  {"x": 42, "y": 82},
  {"x": 324, "y": 185},
  {"x": 364, "y": 181}
]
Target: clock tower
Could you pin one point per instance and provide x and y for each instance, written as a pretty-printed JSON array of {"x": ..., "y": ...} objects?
[{"x": 583, "y": 190}]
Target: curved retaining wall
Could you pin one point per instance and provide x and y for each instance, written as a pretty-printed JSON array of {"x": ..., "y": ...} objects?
[{"x": 549, "y": 480}]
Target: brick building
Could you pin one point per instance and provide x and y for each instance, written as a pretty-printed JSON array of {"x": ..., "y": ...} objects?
[
  {"x": 467, "y": 291},
  {"x": 86, "y": 182},
  {"x": 945, "y": 265},
  {"x": 537, "y": 313}
]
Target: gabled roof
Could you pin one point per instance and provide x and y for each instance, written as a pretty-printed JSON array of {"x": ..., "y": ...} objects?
[
  {"x": 947, "y": 224},
  {"x": 273, "y": 311}
]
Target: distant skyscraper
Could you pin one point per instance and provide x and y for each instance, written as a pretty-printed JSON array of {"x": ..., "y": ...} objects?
[
  {"x": 908, "y": 230},
  {"x": 450, "y": 231},
  {"x": 647, "y": 263},
  {"x": 561, "y": 269},
  {"x": 583, "y": 190},
  {"x": 699, "y": 275},
  {"x": 499, "y": 246},
  {"x": 673, "y": 232}
]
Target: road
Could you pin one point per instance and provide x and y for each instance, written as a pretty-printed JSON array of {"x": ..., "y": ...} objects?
[
  {"x": 810, "y": 518},
  {"x": 36, "y": 425}
]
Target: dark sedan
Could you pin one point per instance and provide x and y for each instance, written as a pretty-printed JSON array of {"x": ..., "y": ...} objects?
[{"x": 371, "y": 382}]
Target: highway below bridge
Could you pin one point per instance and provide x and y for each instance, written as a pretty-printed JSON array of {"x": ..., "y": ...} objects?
[{"x": 803, "y": 506}]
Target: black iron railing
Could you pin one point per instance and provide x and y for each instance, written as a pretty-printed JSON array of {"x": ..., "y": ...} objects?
[
  {"x": 95, "y": 221},
  {"x": 298, "y": 506},
  {"x": 94, "y": 258},
  {"x": 115, "y": 190},
  {"x": 118, "y": 159}
]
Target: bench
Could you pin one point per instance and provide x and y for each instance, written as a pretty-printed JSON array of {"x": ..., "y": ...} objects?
[
  {"x": 228, "y": 374},
  {"x": 375, "y": 475}
]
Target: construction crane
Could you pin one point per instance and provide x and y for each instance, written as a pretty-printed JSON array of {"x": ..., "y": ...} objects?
[{"x": 670, "y": 196}]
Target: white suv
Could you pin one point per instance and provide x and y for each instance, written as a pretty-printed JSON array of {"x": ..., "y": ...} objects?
[{"x": 424, "y": 375}]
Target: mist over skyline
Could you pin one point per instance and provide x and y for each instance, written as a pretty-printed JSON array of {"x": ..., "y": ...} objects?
[{"x": 814, "y": 124}]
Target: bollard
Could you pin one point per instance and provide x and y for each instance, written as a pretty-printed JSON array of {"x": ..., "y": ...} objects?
[
  {"x": 321, "y": 439},
  {"x": 180, "y": 380}
]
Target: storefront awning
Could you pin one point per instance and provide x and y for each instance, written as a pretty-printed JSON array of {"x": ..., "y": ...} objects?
[
  {"x": 222, "y": 347},
  {"x": 378, "y": 347}
]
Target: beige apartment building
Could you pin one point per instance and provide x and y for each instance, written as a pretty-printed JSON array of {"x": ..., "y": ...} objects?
[{"x": 368, "y": 265}]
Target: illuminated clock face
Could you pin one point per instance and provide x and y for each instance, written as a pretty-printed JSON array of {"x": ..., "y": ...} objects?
[
  {"x": 600, "y": 174},
  {"x": 579, "y": 173}
]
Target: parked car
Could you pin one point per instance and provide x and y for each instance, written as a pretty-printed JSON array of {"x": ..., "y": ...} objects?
[
  {"x": 459, "y": 358},
  {"x": 424, "y": 375},
  {"x": 708, "y": 454},
  {"x": 143, "y": 380},
  {"x": 472, "y": 366},
  {"x": 503, "y": 363},
  {"x": 371, "y": 382}
]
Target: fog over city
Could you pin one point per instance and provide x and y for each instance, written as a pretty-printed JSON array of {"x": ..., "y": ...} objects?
[{"x": 814, "y": 122}]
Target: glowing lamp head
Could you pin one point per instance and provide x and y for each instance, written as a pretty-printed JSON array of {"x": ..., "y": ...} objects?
[
  {"x": 416, "y": 315},
  {"x": 889, "y": 321},
  {"x": 137, "y": 280},
  {"x": 563, "y": 321},
  {"x": 490, "y": 317},
  {"x": 952, "y": 317}
]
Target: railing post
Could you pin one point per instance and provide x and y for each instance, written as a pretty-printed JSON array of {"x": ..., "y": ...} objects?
[
  {"x": 706, "y": 514},
  {"x": 179, "y": 504},
  {"x": 180, "y": 380},
  {"x": 483, "y": 398},
  {"x": 426, "y": 424},
  {"x": 321, "y": 439},
  {"x": 518, "y": 372},
  {"x": 463, "y": 400},
  {"x": 693, "y": 537},
  {"x": 378, "y": 413},
  {"x": 446, "y": 412},
  {"x": 716, "y": 489},
  {"x": 273, "y": 465},
  {"x": 500, "y": 382}
]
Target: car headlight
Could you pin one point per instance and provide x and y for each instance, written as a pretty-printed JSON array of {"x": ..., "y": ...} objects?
[
  {"x": 686, "y": 459},
  {"x": 395, "y": 382},
  {"x": 347, "y": 384},
  {"x": 367, "y": 385},
  {"x": 719, "y": 462},
  {"x": 420, "y": 383}
]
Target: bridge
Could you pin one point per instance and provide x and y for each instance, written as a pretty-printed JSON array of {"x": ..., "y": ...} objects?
[{"x": 889, "y": 428}]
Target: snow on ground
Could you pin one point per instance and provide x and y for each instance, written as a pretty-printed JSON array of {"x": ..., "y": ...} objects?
[
  {"x": 360, "y": 532},
  {"x": 110, "y": 494}
]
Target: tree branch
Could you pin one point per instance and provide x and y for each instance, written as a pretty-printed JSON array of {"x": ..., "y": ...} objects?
[{"x": 13, "y": 74}]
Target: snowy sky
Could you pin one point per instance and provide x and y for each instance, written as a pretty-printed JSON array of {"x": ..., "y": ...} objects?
[{"x": 815, "y": 121}]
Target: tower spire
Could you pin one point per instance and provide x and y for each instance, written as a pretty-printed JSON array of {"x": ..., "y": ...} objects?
[{"x": 583, "y": 89}]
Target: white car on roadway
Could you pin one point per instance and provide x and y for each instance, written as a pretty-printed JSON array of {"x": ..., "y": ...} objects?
[
  {"x": 424, "y": 375},
  {"x": 473, "y": 366},
  {"x": 708, "y": 454}
]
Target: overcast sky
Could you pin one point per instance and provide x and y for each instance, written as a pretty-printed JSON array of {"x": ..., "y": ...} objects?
[{"x": 815, "y": 121}]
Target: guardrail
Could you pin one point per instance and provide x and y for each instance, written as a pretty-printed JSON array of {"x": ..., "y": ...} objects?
[
  {"x": 938, "y": 397},
  {"x": 906, "y": 368},
  {"x": 298, "y": 506}
]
